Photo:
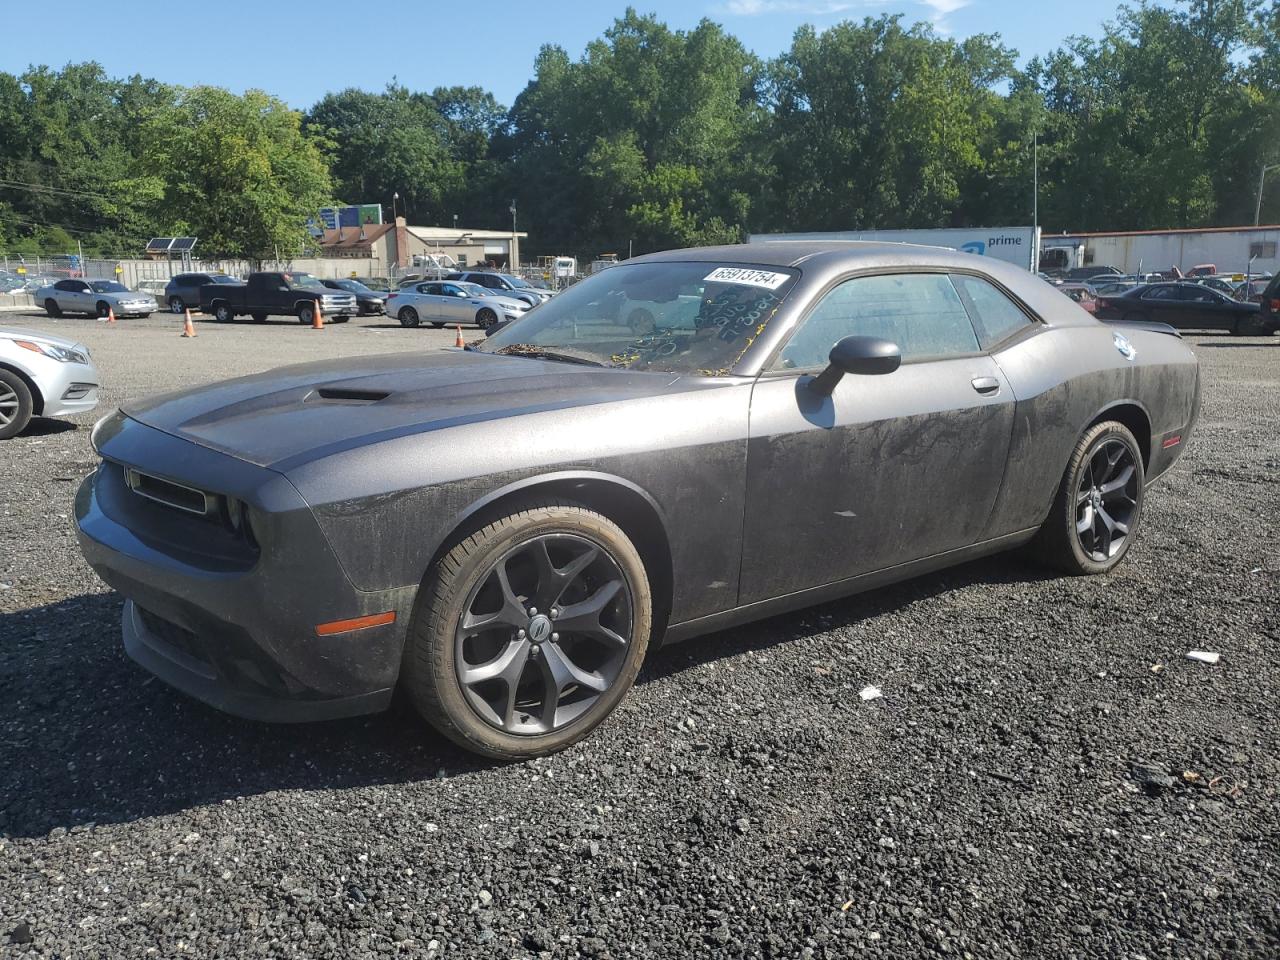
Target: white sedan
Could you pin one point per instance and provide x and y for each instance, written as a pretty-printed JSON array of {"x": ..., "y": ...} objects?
[
  {"x": 94, "y": 297},
  {"x": 438, "y": 302},
  {"x": 43, "y": 376}
]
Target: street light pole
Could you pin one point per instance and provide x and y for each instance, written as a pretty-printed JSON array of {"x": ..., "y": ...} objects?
[
  {"x": 1262, "y": 182},
  {"x": 394, "y": 197},
  {"x": 514, "y": 263}
]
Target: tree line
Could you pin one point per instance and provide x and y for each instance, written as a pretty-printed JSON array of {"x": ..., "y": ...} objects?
[{"x": 655, "y": 137}]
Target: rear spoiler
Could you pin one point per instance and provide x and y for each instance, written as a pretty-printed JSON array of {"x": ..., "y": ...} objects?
[{"x": 1151, "y": 325}]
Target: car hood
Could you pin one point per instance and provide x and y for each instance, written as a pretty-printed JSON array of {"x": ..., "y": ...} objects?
[
  {"x": 293, "y": 415},
  {"x": 21, "y": 333}
]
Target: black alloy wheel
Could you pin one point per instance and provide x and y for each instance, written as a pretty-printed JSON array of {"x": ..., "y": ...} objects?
[
  {"x": 408, "y": 317},
  {"x": 1095, "y": 516},
  {"x": 529, "y": 631},
  {"x": 486, "y": 318},
  {"x": 1106, "y": 499},
  {"x": 530, "y": 669}
]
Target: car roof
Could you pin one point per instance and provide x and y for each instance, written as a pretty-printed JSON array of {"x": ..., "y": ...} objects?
[{"x": 793, "y": 253}]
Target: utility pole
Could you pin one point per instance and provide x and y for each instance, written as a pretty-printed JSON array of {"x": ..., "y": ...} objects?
[
  {"x": 1262, "y": 182},
  {"x": 514, "y": 242}
]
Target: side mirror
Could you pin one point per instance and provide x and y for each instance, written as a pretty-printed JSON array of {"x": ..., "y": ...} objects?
[{"x": 865, "y": 356}]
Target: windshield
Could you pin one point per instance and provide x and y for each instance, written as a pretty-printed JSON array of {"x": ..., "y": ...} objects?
[
  {"x": 304, "y": 280},
  {"x": 516, "y": 281},
  {"x": 108, "y": 286},
  {"x": 475, "y": 290},
  {"x": 681, "y": 316}
]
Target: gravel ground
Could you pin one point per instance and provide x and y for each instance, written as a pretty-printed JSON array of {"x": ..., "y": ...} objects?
[{"x": 1046, "y": 774}]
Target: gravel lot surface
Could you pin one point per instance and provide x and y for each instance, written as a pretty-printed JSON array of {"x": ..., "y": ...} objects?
[{"x": 1047, "y": 774}]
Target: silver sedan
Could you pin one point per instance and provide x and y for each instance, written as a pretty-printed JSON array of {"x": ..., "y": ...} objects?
[
  {"x": 96, "y": 298},
  {"x": 43, "y": 376},
  {"x": 438, "y": 302}
]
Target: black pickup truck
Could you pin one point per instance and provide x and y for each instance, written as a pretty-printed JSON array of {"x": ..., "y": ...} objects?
[{"x": 276, "y": 294}]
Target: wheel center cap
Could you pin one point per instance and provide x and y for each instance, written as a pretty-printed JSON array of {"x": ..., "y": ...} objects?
[{"x": 539, "y": 628}]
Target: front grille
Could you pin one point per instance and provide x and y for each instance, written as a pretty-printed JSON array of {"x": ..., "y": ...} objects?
[
  {"x": 173, "y": 636},
  {"x": 169, "y": 493}
]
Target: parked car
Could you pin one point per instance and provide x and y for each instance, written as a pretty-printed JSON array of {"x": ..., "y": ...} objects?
[
  {"x": 43, "y": 376},
  {"x": 1081, "y": 293},
  {"x": 1186, "y": 306},
  {"x": 1223, "y": 284},
  {"x": 276, "y": 294},
  {"x": 1203, "y": 270},
  {"x": 11, "y": 282},
  {"x": 369, "y": 303},
  {"x": 1077, "y": 274},
  {"x": 182, "y": 292},
  {"x": 506, "y": 284},
  {"x": 1269, "y": 304},
  {"x": 439, "y": 302},
  {"x": 1251, "y": 291},
  {"x": 95, "y": 298},
  {"x": 500, "y": 532},
  {"x": 153, "y": 288}
]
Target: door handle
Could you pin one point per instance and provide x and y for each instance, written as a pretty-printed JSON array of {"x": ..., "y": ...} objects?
[{"x": 987, "y": 386}]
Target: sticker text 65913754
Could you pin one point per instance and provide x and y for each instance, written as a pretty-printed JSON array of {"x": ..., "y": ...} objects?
[{"x": 756, "y": 278}]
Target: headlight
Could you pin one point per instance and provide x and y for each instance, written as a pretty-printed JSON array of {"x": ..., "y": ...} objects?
[{"x": 65, "y": 354}]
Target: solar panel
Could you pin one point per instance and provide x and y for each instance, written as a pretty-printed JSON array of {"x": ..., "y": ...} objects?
[
  {"x": 159, "y": 244},
  {"x": 183, "y": 243}
]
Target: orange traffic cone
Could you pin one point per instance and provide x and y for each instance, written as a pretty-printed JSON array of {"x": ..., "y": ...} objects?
[
  {"x": 317, "y": 318},
  {"x": 459, "y": 342},
  {"x": 111, "y": 315},
  {"x": 188, "y": 328}
]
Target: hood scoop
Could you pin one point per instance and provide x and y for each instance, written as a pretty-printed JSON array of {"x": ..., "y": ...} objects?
[{"x": 347, "y": 395}]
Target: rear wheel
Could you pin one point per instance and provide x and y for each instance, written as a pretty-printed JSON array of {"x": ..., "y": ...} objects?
[
  {"x": 408, "y": 317},
  {"x": 51, "y": 307},
  {"x": 486, "y": 318},
  {"x": 176, "y": 305},
  {"x": 1248, "y": 327},
  {"x": 15, "y": 404},
  {"x": 1096, "y": 513},
  {"x": 529, "y": 632},
  {"x": 223, "y": 313}
]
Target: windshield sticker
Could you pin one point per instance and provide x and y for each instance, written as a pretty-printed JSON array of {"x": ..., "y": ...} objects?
[{"x": 755, "y": 278}]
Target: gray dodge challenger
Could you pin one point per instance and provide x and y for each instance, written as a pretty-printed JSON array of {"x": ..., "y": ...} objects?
[{"x": 679, "y": 444}]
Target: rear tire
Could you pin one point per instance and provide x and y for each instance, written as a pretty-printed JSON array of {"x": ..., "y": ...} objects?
[
  {"x": 408, "y": 317},
  {"x": 223, "y": 313},
  {"x": 176, "y": 305},
  {"x": 605, "y": 649},
  {"x": 1245, "y": 327},
  {"x": 51, "y": 307},
  {"x": 1098, "y": 508},
  {"x": 15, "y": 404}
]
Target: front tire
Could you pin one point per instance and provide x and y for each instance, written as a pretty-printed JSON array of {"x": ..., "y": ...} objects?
[
  {"x": 1096, "y": 514},
  {"x": 103, "y": 309},
  {"x": 408, "y": 317},
  {"x": 529, "y": 632},
  {"x": 486, "y": 318},
  {"x": 15, "y": 404}
]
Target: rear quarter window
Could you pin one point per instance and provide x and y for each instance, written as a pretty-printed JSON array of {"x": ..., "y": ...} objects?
[{"x": 996, "y": 317}]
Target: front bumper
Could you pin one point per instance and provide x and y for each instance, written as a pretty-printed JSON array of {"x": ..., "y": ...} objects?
[
  {"x": 228, "y": 617},
  {"x": 66, "y": 388}
]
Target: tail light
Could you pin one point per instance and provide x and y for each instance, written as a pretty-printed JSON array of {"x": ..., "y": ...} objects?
[
  {"x": 392, "y": 296},
  {"x": 1275, "y": 306}
]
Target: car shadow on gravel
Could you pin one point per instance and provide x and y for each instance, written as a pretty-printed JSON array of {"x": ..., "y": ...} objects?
[
  {"x": 42, "y": 427},
  {"x": 86, "y": 736},
  {"x": 1005, "y": 568}
]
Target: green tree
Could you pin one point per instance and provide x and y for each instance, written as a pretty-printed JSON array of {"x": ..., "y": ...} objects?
[
  {"x": 239, "y": 172},
  {"x": 388, "y": 143}
]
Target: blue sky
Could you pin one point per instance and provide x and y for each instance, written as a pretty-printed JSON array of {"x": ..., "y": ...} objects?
[{"x": 299, "y": 51}]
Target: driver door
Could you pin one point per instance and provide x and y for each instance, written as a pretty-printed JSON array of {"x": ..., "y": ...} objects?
[{"x": 889, "y": 468}]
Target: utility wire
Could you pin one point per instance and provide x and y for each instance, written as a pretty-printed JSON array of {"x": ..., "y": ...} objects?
[{"x": 21, "y": 185}]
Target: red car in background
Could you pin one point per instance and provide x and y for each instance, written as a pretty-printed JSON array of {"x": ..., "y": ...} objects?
[{"x": 1082, "y": 294}]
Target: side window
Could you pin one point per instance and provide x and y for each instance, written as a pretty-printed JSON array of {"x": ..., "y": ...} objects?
[
  {"x": 920, "y": 312},
  {"x": 1198, "y": 294},
  {"x": 1161, "y": 293},
  {"x": 64, "y": 285},
  {"x": 994, "y": 314}
]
